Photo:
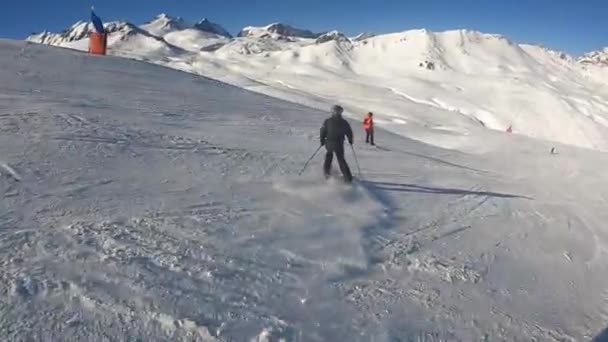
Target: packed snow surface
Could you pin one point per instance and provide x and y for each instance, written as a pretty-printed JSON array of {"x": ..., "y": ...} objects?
[{"x": 143, "y": 203}]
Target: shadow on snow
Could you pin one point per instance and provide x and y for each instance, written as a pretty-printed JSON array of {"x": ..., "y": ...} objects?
[
  {"x": 433, "y": 159},
  {"x": 406, "y": 187},
  {"x": 387, "y": 221}
]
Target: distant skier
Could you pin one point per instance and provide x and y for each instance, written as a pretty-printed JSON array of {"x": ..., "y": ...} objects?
[
  {"x": 368, "y": 126},
  {"x": 333, "y": 132}
]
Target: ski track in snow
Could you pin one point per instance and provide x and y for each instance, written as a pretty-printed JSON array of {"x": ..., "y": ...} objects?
[
  {"x": 10, "y": 171},
  {"x": 148, "y": 212}
]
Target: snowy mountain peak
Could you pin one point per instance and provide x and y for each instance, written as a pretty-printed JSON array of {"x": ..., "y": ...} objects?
[
  {"x": 599, "y": 57},
  {"x": 80, "y": 30},
  {"x": 164, "y": 23},
  {"x": 166, "y": 20},
  {"x": 208, "y": 26},
  {"x": 332, "y": 36},
  {"x": 276, "y": 29},
  {"x": 123, "y": 38},
  {"x": 163, "y": 16}
]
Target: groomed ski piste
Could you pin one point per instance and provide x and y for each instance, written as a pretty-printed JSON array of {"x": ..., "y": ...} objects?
[{"x": 141, "y": 203}]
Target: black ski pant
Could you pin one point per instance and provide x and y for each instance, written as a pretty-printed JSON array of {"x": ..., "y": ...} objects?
[
  {"x": 369, "y": 136},
  {"x": 338, "y": 150}
]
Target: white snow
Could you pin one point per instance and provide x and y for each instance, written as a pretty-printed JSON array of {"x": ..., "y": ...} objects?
[
  {"x": 363, "y": 36},
  {"x": 194, "y": 40},
  {"x": 151, "y": 204},
  {"x": 164, "y": 23},
  {"x": 596, "y": 57},
  {"x": 207, "y": 25},
  {"x": 276, "y": 29},
  {"x": 203, "y": 35},
  {"x": 331, "y": 36},
  {"x": 461, "y": 80}
]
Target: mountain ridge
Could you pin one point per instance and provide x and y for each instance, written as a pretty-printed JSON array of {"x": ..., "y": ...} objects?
[
  {"x": 280, "y": 30},
  {"x": 398, "y": 69}
]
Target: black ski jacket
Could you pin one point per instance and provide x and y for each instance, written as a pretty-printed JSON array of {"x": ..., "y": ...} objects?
[{"x": 334, "y": 130}]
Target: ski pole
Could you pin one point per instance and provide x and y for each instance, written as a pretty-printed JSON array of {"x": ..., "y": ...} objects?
[
  {"x": 356, "y": 161},
  {"x": 309, "y": 159}
]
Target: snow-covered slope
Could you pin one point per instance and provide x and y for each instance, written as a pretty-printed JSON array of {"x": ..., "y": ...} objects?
[
  {"x": 476, "y": 81},
  {"x": 599, "y": 58},
  {"x": 276, "y": 29},
  {"x": 206, "y": 25},
  {"x": 141, "y": 203},
  {"x": 194, "y": 40},
  {"x": 453, "y": 84},
  {"x": 363, "y": 36}
]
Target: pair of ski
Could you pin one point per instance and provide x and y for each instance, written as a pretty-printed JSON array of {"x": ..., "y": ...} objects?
[{"x": 319, "y": 148}]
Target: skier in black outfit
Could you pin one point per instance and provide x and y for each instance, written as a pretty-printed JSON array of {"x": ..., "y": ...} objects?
[{"x": 333, "y": 132}]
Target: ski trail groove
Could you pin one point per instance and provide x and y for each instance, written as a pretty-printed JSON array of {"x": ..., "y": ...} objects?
[{"x": 10, "y": 171}]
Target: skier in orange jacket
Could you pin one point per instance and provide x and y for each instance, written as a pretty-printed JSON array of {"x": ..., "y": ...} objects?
[{"x": 368, "y": 125}]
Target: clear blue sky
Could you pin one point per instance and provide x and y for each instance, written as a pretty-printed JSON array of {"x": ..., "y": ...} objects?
[{"x": 568, "y": 25}]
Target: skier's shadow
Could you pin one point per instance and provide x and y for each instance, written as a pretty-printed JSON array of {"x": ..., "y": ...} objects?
[
  {"x": 433, "y": 159},
  {"x": 380, "y": 191},
  {"x": 414, "y": 188}
]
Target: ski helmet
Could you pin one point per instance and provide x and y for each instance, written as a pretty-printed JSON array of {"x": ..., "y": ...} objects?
[{"x": 337, "y": 110}]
